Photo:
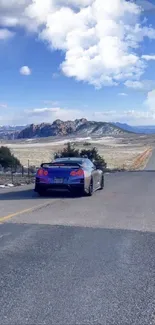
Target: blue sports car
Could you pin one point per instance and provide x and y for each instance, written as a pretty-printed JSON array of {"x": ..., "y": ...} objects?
[{"x": 77, "y": 175}]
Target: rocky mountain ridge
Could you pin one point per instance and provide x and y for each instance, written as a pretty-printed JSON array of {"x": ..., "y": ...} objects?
[{"x": 79, "y": 127}]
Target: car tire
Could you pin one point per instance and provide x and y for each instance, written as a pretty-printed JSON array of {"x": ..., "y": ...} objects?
[
  {"x": 102, "y": 183},
  {"x": 41, "y": 193},
  {"x": 91, "y": 188}
]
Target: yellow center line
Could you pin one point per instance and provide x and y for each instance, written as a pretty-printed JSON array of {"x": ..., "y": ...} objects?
[{"x": 9, "y": 216}]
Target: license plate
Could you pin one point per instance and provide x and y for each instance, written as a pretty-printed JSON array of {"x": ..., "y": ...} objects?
[{"x": 58, "y": 180}]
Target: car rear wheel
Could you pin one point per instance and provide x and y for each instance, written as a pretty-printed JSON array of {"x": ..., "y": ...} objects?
[
  {"x": 41, "y": 193},
  {"x": 102, "y": 183},
  {"x": 91, "y": 188}
]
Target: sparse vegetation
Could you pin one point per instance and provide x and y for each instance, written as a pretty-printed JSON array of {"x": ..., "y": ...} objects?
[
  {"x": 68, "y": 151},
  {"x": 7, "y": 159},
  {"x": 87, "y": 144},
  {"x": 92, "y": 154}
]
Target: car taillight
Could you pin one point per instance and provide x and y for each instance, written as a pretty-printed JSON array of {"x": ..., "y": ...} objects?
[
  {"x": 78, "y": 172},
  {"x": 42, "y": 172}
]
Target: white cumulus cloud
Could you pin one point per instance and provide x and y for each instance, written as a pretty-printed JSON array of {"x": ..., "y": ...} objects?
[
  {"x": 148, "y": 57},
  {"x": 99, "y": 38},
  {"x": 25, "y": 70},
  {"x": 3, "y": 105},
  {"x": 133, "y": 117},
  {"x": 6, "y": 34},
  {"x": 150, "y": 101},
  {"x": 143, "y": 85},
  {"x": 46, "y": 114},
  {"x": 122, "y": 94}
]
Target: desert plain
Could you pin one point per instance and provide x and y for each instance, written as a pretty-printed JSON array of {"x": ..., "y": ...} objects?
[{"x": 127, "y": 151}]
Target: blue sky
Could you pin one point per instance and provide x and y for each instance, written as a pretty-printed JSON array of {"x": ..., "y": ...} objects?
[{"x": 83, "y": 59}]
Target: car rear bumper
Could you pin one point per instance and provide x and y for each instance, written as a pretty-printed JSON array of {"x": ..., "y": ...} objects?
[{"x": 59, "y": 187}]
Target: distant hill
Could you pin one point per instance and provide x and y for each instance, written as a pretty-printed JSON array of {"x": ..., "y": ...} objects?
[
  {"x": 81, "y": 127},
  {"x": 10, "y": 132},
  {"x": 147, "y": 129}
]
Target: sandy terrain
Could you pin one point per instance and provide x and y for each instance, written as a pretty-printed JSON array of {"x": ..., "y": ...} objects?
[{"x": 117, "y": 152}]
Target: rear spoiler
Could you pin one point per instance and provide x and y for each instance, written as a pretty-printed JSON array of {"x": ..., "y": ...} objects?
[{"x": 59, "y": 164}]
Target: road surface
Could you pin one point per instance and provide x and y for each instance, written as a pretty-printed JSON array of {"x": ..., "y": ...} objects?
[
  {"x": 66, "y": 261},
  {"x": 151, "y": 163}
]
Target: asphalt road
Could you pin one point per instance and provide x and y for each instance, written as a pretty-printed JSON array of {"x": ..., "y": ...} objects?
[
  {"x": 79, "y": 261},
  {"x": 151, "y": 162}
]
